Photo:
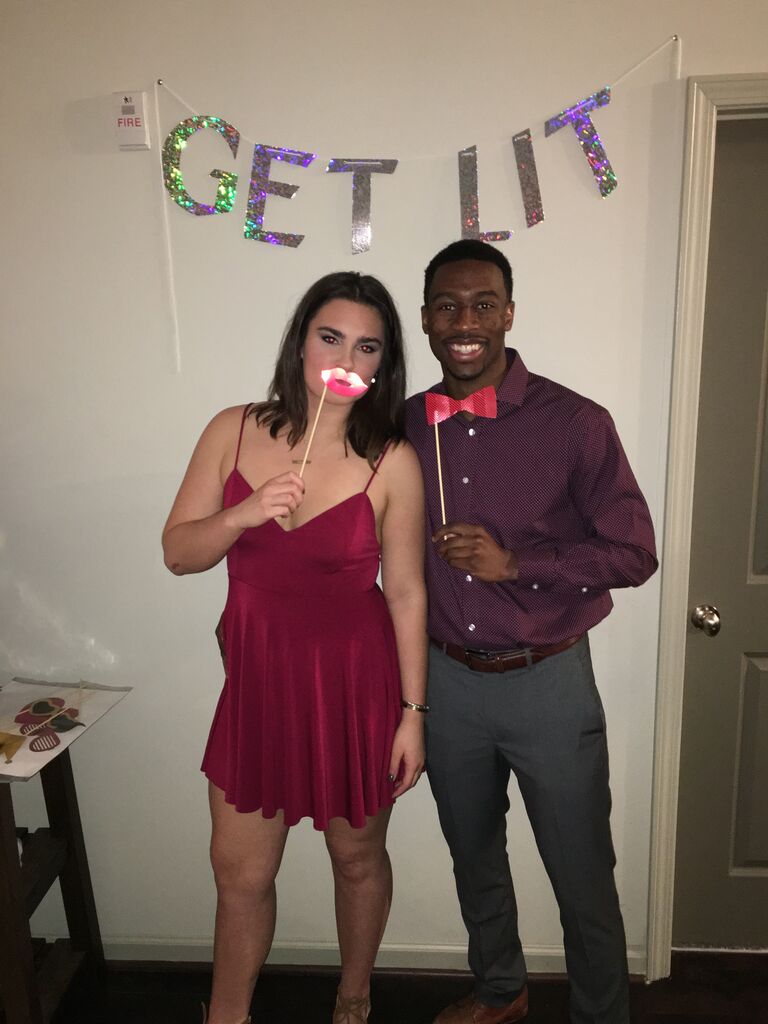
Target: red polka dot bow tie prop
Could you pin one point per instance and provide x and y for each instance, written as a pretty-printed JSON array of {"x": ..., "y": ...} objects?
[{"x": 442, "y": 407}]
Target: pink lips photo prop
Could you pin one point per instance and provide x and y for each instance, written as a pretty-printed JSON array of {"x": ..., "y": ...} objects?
[{"x": 342, "y": 383}]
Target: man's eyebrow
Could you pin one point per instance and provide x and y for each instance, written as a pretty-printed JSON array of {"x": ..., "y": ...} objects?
[{"x": 475, "y": 295}]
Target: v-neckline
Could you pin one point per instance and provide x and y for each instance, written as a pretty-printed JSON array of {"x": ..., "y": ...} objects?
[{"x": 314, "y": 518}]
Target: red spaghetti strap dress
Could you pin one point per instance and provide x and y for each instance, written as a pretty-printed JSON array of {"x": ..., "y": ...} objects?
[{"x": 311, "y": 699}]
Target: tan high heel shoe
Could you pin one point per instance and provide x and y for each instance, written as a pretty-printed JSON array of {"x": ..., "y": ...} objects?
[
  {"x": 205, "y": 1016},
  {"x": 352, "y": 1010}
]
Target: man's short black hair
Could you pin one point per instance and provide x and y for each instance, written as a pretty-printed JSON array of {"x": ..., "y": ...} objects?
[{"x": 468, "y": 249}]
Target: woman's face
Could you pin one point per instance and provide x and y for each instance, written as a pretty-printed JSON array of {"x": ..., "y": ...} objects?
[{"x": 342, "y": 334}]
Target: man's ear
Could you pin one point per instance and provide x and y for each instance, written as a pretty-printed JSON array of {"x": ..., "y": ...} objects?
[
  {"x": 509, "y": 316},
  {"x": 425, "y": 320}
]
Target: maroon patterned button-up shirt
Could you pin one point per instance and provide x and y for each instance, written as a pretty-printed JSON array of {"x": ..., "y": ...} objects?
[{"x": 549, "y": 480}]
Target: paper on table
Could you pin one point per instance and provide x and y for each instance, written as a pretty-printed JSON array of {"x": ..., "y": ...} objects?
[{"x": 40, "y": 719}]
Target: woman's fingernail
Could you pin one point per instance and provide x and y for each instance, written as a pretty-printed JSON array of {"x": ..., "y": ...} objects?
[{"x": 391, "y": 778}]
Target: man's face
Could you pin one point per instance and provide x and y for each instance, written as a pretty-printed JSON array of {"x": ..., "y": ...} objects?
[{"x": 466, "y": 318}]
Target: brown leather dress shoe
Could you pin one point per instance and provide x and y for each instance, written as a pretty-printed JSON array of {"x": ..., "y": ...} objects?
[{"x": 470, "y": 1011}]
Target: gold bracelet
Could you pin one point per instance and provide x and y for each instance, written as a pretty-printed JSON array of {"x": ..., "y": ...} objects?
[{"x": 423, "y": 708}]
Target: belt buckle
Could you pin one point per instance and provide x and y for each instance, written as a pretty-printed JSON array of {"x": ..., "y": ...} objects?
[{"x": 494, "y": 662}]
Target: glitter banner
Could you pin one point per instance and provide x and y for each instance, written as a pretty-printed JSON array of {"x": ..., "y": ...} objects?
[
  {"x": 529, "y": 179},
  {"x": 361, "y": 194},
  {"x": 468, "y": 200},
  {"x": 262, "y": 186},
  {"x": 174, "y": 179},
  {"x": 578, "y": 118}
]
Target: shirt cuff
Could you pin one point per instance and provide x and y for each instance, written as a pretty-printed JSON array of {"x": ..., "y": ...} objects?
[
  {"x": 540, "y": 569},
  {"x": 536, "y": 568}
]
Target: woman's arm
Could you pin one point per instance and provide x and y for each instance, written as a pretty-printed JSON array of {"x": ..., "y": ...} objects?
[
  {"x": 402, "y": 563},
  {"x": 199, "y": 532}
]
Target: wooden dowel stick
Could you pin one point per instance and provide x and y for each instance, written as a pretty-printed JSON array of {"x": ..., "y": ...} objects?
[
  {"x": 312, "y": 433},
  {"x": 440, "y": 473}
]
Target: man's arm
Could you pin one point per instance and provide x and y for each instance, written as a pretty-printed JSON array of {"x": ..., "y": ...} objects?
[{"x": 619, "y": 549}]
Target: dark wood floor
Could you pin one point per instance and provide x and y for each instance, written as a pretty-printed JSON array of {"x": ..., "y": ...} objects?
[{"x": 704, "y": 989}]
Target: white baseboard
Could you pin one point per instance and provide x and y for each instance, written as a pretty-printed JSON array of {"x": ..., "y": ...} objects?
[
  {"x": 720, "y": 949},
  {"x": 540, "y": 959}
]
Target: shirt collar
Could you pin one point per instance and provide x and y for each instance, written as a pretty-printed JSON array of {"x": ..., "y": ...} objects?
[
  {"x": 511, "y": 391},
  {"x": 512, "y": 388}
]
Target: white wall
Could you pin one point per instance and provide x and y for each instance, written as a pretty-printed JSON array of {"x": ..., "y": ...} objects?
[{"x": 97, "y": 426}]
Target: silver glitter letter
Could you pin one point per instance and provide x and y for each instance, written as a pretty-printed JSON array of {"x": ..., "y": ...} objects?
[
  {"x": 361, "y": 194},
  {"x": 174, "y": 180},
  {"x": 578, "y": 118},
  {"x": 263, "y": 186},
  {"x": 470, "y": 216},
  {"x": 529, "y": 179}
]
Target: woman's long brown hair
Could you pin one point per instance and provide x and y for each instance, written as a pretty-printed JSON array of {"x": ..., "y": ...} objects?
[{"x": 376, "y": 418}]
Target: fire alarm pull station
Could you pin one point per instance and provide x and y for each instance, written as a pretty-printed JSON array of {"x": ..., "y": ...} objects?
[{"x": 131, "y": 120}]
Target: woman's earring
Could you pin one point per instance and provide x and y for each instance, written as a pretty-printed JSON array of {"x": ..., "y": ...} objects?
[{"x": 373, "y": 380}]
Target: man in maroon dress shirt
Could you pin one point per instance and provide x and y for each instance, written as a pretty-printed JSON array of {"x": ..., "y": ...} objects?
[{"x": 544, "y": 517}]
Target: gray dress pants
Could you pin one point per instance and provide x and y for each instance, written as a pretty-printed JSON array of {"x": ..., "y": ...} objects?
[{"x": 545, "y": 723}]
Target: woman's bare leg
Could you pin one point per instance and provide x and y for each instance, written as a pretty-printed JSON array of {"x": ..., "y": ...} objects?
[
  {"x": 246, "y": 850},
  {"x": 363, "y": 887}
]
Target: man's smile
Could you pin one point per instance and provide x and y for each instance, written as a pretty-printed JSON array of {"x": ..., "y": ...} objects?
[{"x": 468, "y": 349}]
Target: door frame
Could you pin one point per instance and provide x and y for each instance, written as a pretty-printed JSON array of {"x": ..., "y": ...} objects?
[{"x": 709, "y": 97}]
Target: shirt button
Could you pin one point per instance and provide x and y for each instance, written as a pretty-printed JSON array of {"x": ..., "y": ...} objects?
[
  {"x": 584, "y": 590},
  {"x": 465, "y": 479},
  {"x": 468, "y": 578},
  {"x": 471, "y": 431},
  {"x": 471, "y": 627},
  {"x": 534, "y": 586}
]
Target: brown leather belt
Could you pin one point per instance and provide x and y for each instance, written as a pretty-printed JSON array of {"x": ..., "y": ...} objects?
[{"x": 504, "y": 661}]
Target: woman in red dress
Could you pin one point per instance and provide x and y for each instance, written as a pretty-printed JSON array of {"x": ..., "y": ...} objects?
[{"x": 322, "y": 708}]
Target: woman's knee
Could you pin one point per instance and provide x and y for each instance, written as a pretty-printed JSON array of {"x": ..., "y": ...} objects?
[
  {"x": 241, "y": 876},
  {"x": 356, "y": 862}
]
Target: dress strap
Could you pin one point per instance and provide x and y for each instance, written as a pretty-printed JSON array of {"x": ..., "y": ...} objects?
[
  {"x": 247, "y": 409},
  {"x": 376, "y": 467}
]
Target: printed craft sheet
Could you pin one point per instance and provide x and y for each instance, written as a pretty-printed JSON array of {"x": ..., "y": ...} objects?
[{"x": 38, "y": 720}]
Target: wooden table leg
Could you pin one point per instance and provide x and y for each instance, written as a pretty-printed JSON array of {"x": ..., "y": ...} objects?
[
  {"x": 75, "y": 877},
  {"x": 18, "y": 984}
]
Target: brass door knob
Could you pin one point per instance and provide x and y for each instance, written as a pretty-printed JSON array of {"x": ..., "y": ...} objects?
[{"x": 706, "y": 618}]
